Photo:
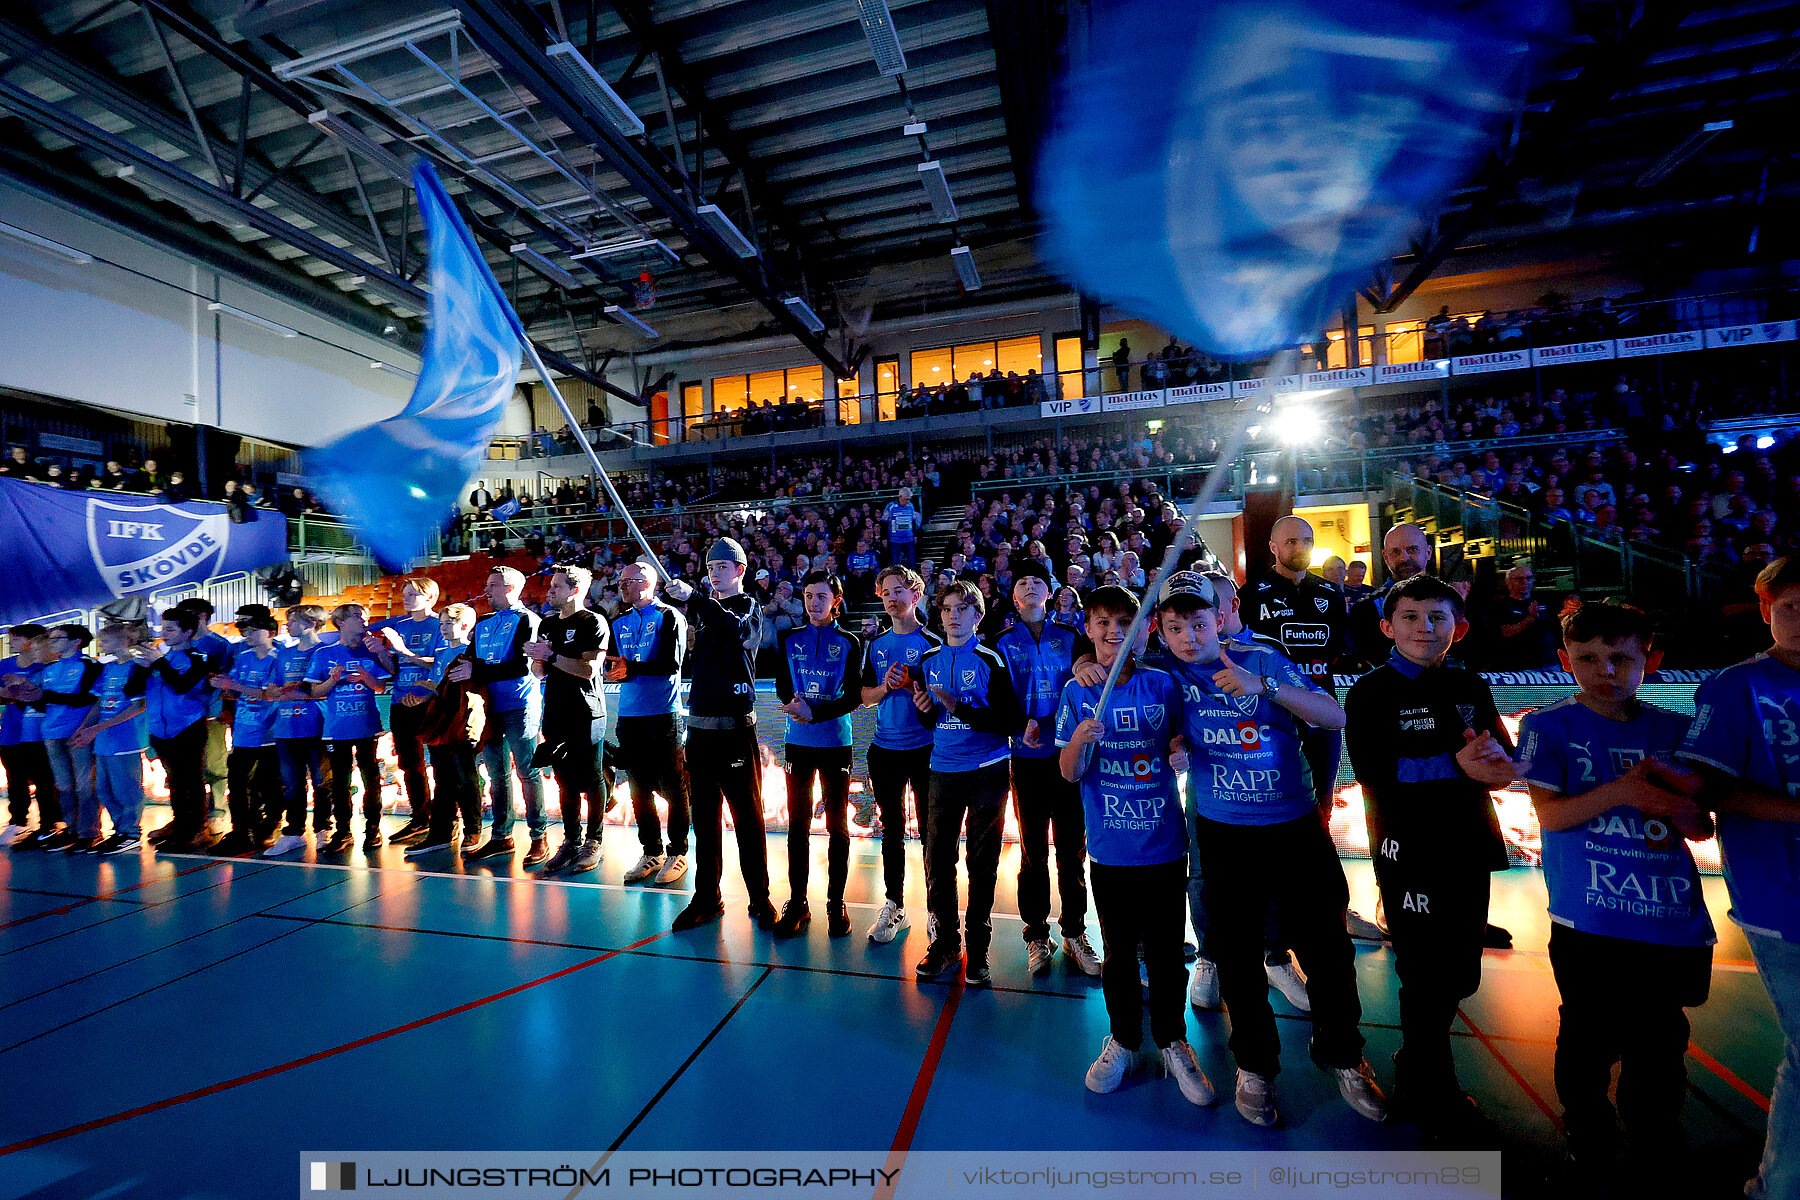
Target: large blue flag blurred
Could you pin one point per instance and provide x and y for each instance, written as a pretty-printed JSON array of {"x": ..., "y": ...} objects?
[
  {"x": 398, "y": 480},
  {"x": 1233, "y": 169}
]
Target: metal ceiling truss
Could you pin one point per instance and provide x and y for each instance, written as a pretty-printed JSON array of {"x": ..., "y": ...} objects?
[{"x": 507, "y": 34}]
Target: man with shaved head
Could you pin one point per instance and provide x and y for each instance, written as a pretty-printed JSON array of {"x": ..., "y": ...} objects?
[{"x": 1405, "y": 552}]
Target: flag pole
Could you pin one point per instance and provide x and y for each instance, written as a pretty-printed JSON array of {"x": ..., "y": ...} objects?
[{"x": 1282, "y": 364}]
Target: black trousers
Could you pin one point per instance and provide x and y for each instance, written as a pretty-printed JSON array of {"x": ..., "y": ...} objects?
[
  {"x": 1292, "y": 868},
  {"x": 725, "y": 768},
  {"x": 27, "y": 774},
  {"x": 980, "y": 796},
  {"x": 303, "y": 762},
  {"x": 454, "y": 790},
  {"x": 1043, "y": 798},
  {"x": 1142, "y": 906},
  {"x": 409, "y": 754},
  {"x": 184, "y": 763},
  {"x": 574, "y": 750},
  {"x": 890, "y": 773},
  {"x": 254, "y": 774},
  {"x": 361, "y": 752},
  {"x": 830, "y": 765},
  {"x": 654, "y": 762},
  {"x": 1624, "y": 1002},
  {"x": 1436, "y": 922}
]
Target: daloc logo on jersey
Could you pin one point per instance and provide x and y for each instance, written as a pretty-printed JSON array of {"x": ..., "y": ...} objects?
[{"x": 136, "y": 548}]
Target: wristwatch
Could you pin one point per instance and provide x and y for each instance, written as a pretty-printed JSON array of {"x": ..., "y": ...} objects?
[{"x": 1271, "y": 685}]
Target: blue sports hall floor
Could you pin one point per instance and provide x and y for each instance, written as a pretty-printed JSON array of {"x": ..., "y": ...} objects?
[{"x": 184, "y": 1026}]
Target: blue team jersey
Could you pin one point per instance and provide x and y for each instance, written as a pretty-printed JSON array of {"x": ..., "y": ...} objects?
[
  {"x": 966, "y": 672},
  {"x": 350, "y": 711},
  {"x": 1622, "y": 874},
  {"x": 638, "y": 633},
  {"x": 421, "y": 637},
  {"x": 64, "y": 675},
  {"x": 1245, "y": 766},
  {"x": 1076, "y": 620},
  {"x": 172, "y": 711},
  {"x": 31, "y": 720},
  {"x": 222, "y": 651},
  {"x": 1128, "y": 795},
  {"x": 863, "y": 560},
  {"x": 493, "y": 641},
  {"x": 824, "y": 666},
  {"x": 127, "y": 737},
  {"x": 302, "y": 717},
  {"x": 1748, "y": 725},
  {"x": 897, "y": 724},
  {"x": 900, "y": 519},
  {"x": 1040, "y": 665},
  {"x": 444, "y": 656},
  {"x": 253, "y": 718}
]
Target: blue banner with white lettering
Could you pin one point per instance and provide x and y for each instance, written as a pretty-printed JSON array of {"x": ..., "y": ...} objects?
[
  {"x": 1233, "y": 170},
  {"x": 75, "y": 550},
  {"x": 397, "y": 481}
]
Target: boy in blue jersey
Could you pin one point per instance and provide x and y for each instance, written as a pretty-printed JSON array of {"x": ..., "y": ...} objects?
[
  {"x": 861, "y": 567},
  {"x": 1041, "y": 658},
  {"x": 1745, "y": 740},
  {"x": 407, "y": 646},
  {"x": 177, "y": 698},
  {"x": 651, "y": 637},
  {"x": 64, "y": 694},
  {"x": 21, "y": 749},
  {"x": 219, "y": 652},
  {"x": 1427, "y": 746},
  {"x": 254, "y": 765},
  {"x": 1256, "y": 828},
  {"x": 497, "y": 662},
  {"x": 816, "y": 678},
  {"x": 1121, "y": 758},
  {"x": 117, "y": 733},
  {"x": 1627, "y": 917},
  {"x": 348, "y": 677},
  {"x": 900, "y": 752},
  {"x": 964, "y": 695},
  {"x": 299, "y": 730}
]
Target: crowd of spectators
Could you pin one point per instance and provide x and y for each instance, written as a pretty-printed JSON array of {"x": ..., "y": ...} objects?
[
  {"x": 236, "y": 489},
  {"x": 977, "y": 392}
]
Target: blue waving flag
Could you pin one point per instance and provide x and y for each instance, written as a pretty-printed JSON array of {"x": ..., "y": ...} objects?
[
  {"x": 1233, "y": 170},
  {"x": 398, "y": 480}
]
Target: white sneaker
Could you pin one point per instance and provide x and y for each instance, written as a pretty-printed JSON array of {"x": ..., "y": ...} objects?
[
  {"x": 888, "y": 922},
  {"x": 11, "y": 834},
  {"x": 1110, "y": 1069},
  {"x": 673, "y": 868},
  {"x": 287, "y": 843},
  {"x": 1038, "y": 954},
  {"x": 645, "y": 867},
  {"x": 1203, "y": 987},
  {"x": 1287, "y": 979},
  {"x": 1179, "y": 1061},
  {"x": 1081, "y": 953},
  {"x": 1357, "y": 1086},
  {"x": 322, "y": 839},
  {"x": 1255, "y": 1098}
]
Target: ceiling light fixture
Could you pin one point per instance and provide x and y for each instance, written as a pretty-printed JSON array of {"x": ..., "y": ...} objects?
[
  {"x": 252, "y": 318},
  {"x": 544, "y": 267},
  {"x": 884, "y": 41},
  {"x": 1688, "y": 147},
  {"x": 937, "y": 190},
  {"x": 81, "y": 257},
  {"x": 579, "y": 74},
  {"x": 720, "y": 224},
  {"x": 391, "y": 38},
  {"x": 804, "y": 314},
  {"x": 624, "y": 318},
  {"x": 965, "y": 268}
]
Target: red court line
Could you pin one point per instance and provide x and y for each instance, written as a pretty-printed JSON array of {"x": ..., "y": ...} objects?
[
  {"x": 69, "y": 908},
  {"x": 915, "y": 1103},
  {"x": 1494, "y": 1049},
  {"x": 266, "y": 1072},
  {"x": 1729, "y": 1076}
]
